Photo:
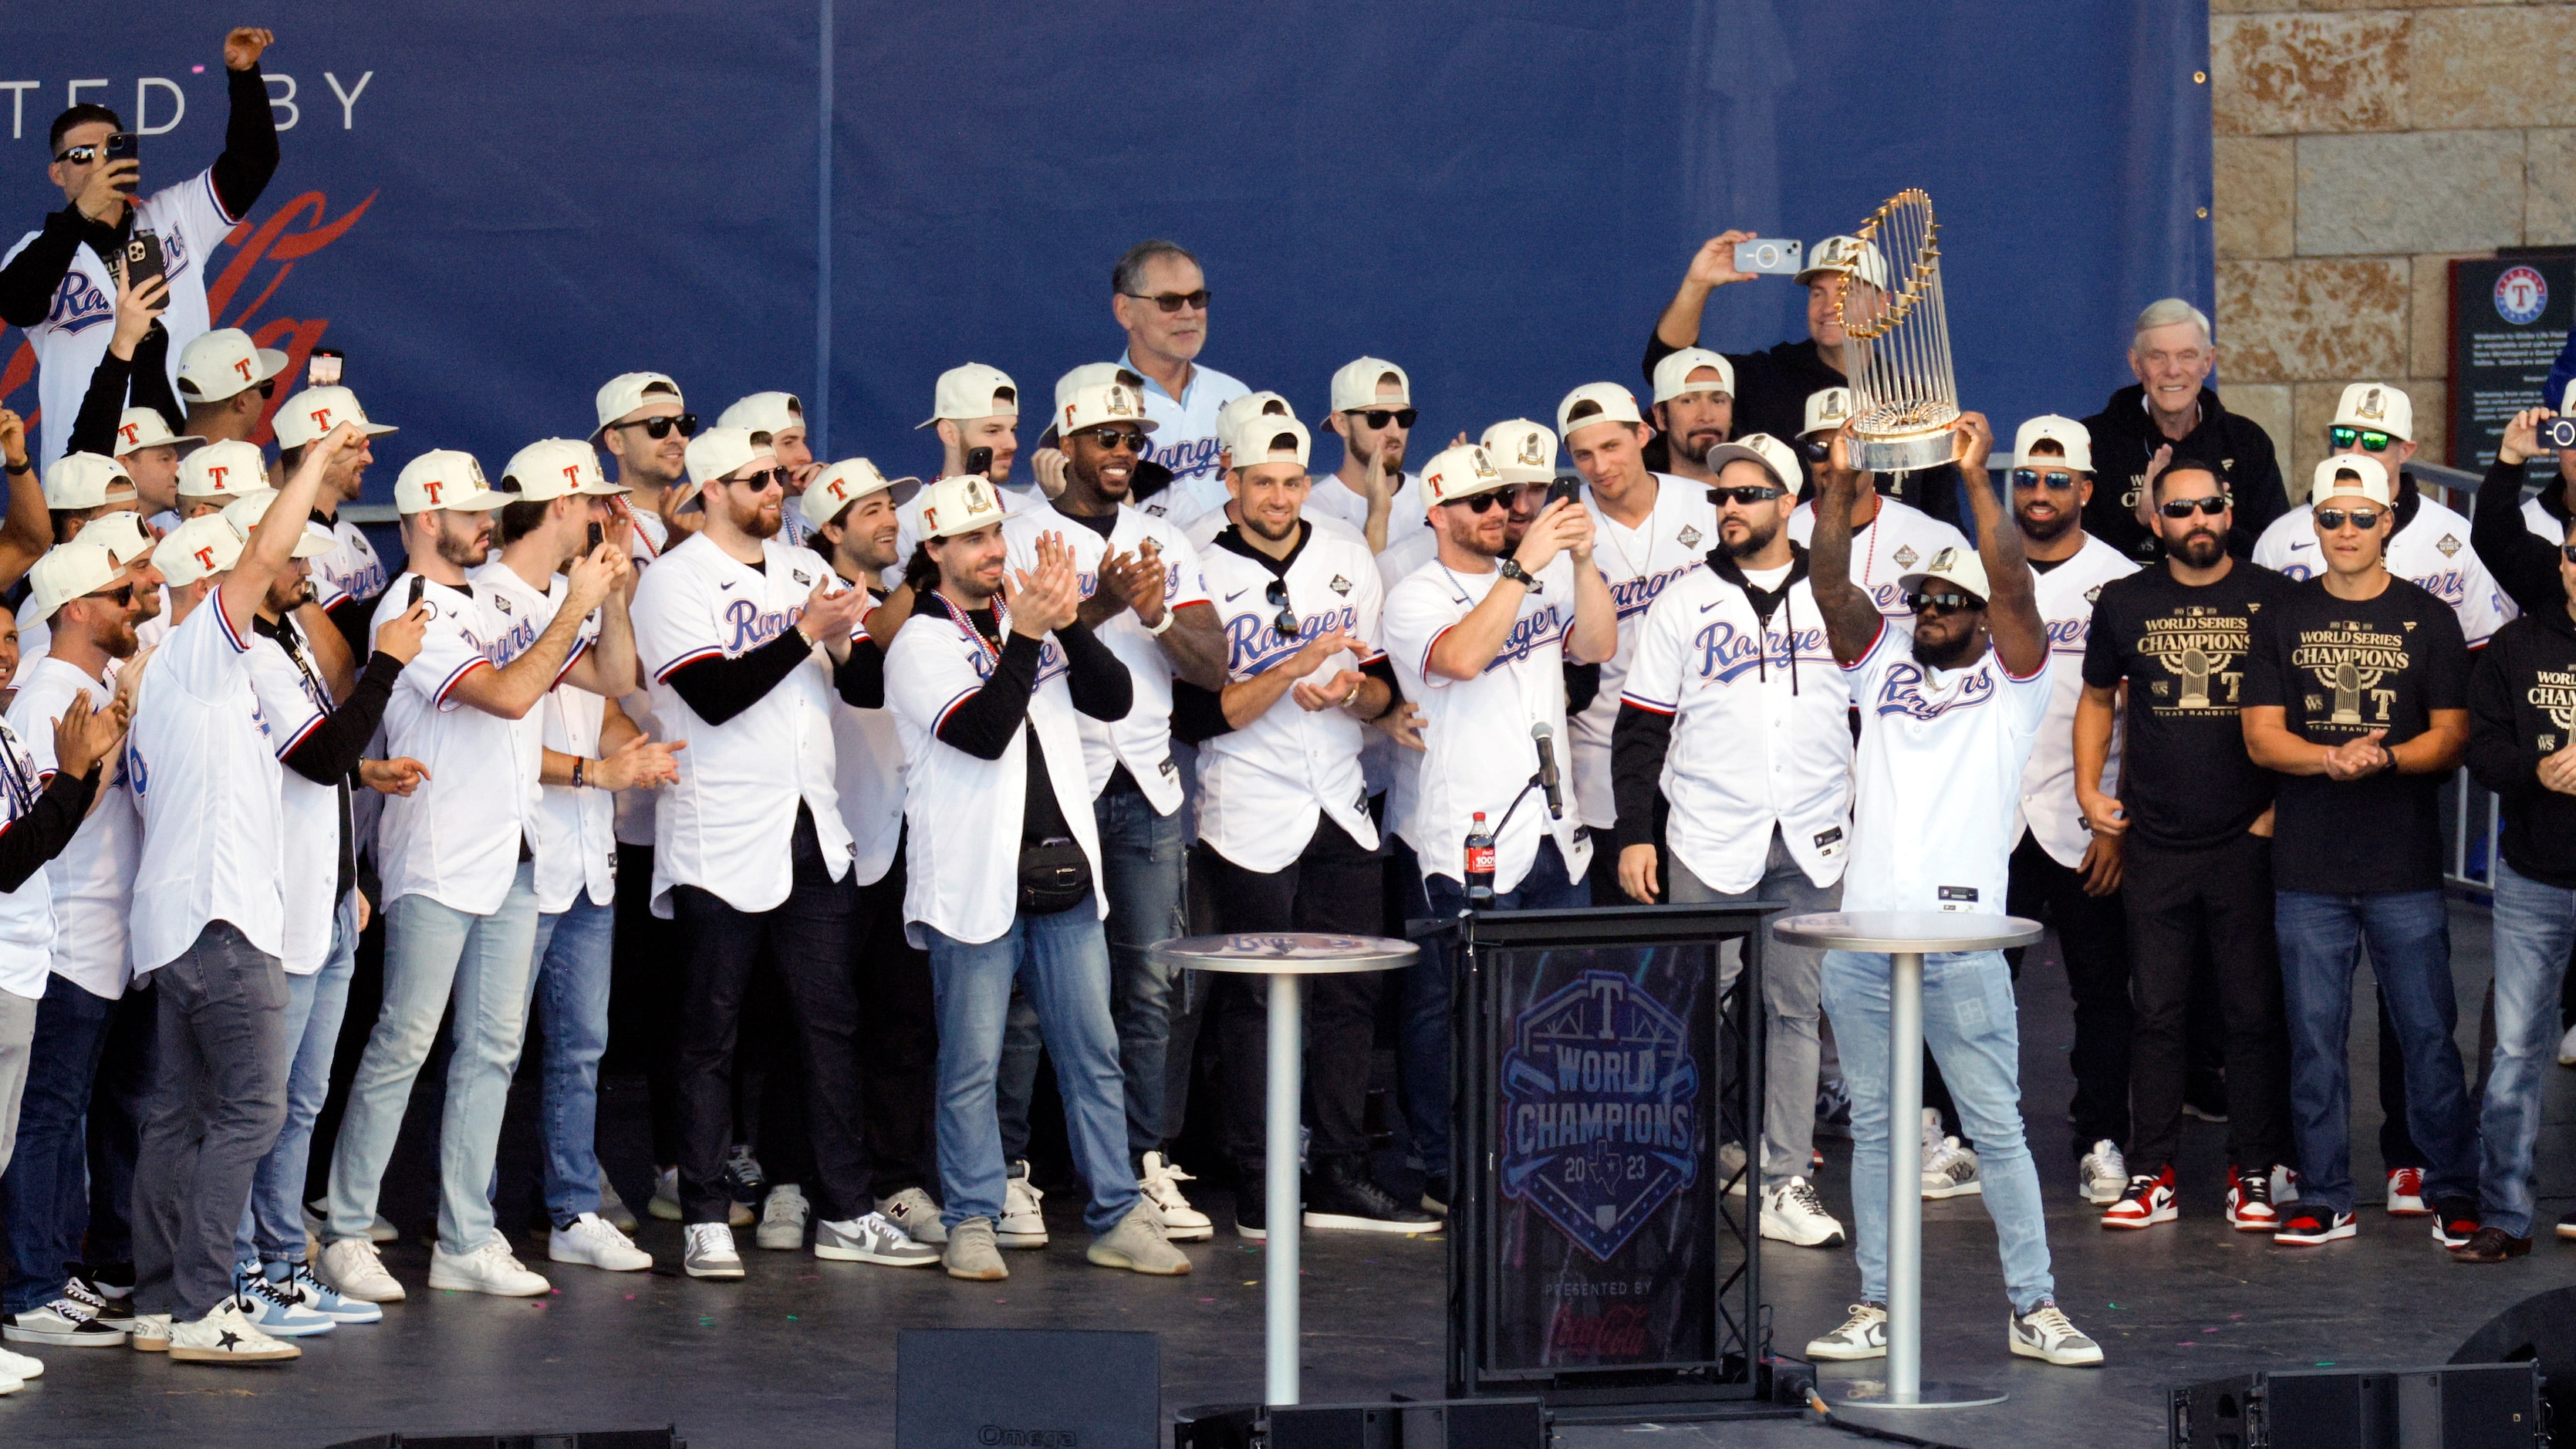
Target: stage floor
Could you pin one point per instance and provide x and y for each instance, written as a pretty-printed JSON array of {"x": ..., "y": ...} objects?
[{"x": 802, "y": 1354}]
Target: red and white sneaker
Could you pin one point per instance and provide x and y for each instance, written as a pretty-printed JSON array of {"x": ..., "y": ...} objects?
[
  {"x": 2310, "y": 1226},
  {"x": 2145, "y": 1202},
  {"x": 2249, "y": 1202},
  {"x": 2406, "y": 1193},
  {"x": 2455, "y": 1222}
]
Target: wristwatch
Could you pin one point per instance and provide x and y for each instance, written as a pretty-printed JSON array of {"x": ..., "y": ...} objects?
[{"x": 1510, "y": 568}]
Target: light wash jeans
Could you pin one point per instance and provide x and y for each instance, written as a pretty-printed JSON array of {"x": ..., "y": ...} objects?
[
  {"x": 432, "y": 950},
  {"x": 1062, "y": 962},
  {"x": 1791, "y": 986},
  {"x": 2534, "y": 926},
  {"x": 1970, "y": 1022},
  {"x": 272, "y": 1225},
  {"x": 572, "y": 951}
]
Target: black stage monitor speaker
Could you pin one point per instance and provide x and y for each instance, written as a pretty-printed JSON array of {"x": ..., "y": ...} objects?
[
  {"x": 2454, "y": 1406},
  {"x": 1067, "y": 1389},
  {"x": 2539, "y": 1330},
  {"x": 666, "y": 1437}
]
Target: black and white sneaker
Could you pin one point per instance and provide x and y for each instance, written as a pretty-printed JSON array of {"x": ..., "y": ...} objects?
[
  {"x": 2312, "y": 1225},
  {"x": 2045, "y": 1333},
  {"x": 1343, "y": 1195},
  {"x": 2455, "y": 1221},
  {"x": 1863, "y": 1335},
  {"x": 63, "y": 1323}
]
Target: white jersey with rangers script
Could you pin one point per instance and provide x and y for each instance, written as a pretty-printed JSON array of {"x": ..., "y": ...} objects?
[
  {"x": 1143, "y": 740},
  {"x": 1760, "y": 734},
  {"x": 1895, "y": 541},
  {"x": 867, "y": 763},
  {"x": 2066, "y": 595},
  {"x": 27, "y": 931},
  {"x": 728, "y": 824},
  {"x": 1330, "y": 497},
  {"x": 92, "y": 881},
  {"x": 2432, "y": 552},
  {"x": 1638, "y": 563},
  {"x": 214, "y": 819},
  {"x": 961, "y": 878},
  {"x": 1263, "y": 786},
  {"x": 1184, "y": 440},
  {"x": 296, "y": 703},
  {"x": 575, "y": 842},
  {"x": 1937, "y": 784},
  {"x": 351, "y": 572},
  {"x": 190, "y": 219},
  {"x": 1478, "y": 751},
  {"x": 456, "y": 839}
]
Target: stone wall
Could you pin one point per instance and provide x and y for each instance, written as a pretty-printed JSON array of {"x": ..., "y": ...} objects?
[{"x": 2359, "y": 148}]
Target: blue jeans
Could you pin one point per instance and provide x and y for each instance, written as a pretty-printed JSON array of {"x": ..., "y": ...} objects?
[
  {"x": 272, "y": 1225},
  {"x": 1971, "y": 1024},
  {"x": 1430, "y": 1096},
  {"x": 431, "y": 952},
  {"x": 2410, "y": 952},
  {"x": 2535, "y": 925},
  {"x": 46, "y": 1187},
  {"x": 573, "y": 953},
  {"x": 1142, "y": 859},
  {"x": 1062, "y": 960}
]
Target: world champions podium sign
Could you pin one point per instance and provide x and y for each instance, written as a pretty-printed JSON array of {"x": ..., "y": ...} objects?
[{"x": 1602, "y": 1058}]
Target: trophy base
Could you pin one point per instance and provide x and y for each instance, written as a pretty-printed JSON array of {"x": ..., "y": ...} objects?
[{"x": 1903, "y": 452}]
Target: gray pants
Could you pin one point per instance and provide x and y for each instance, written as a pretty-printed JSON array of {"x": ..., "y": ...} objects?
[
  {"x": 217, "y": 1103},
  {"x": 1792, "y": 985},
  {"x": 17, "y": 1049}
]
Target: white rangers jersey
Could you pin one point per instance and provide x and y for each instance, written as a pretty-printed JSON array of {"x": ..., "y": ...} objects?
[
  {"x": 1638, "y": 563},
  {"x": 1898, "y": 538},
  {"x": 2066, "y": 595}
]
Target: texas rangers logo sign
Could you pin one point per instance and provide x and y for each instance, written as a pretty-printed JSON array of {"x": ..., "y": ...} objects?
[
  {"x": 2521, "y": 295},
  {"x": 1600, "y": 1096}
]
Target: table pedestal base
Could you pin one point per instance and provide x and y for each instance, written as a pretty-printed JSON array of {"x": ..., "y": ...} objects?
[{"x": 1878, "y": 1394}]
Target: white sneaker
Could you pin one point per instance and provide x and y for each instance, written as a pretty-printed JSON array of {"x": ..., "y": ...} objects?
[
  {"x": 1863, "y": 1335},
  {"x": 2567, "y": 1048},
  {"x": 9, "y": 1385},
  {"x": 150, "y": 1333},
  {"x": 2285, "y": 1185},
  {"x": 1950, "y": 1170},
  {"x": 353, "y": 1266},
  {"x": 1792, "y": 1213},
  {"x": 871, "y": 1239},
  {"x": 226, "y": 1337},
  {"x": 2103, "y": 1174},
  {"x": 782, "y": 1219},
  {"x": 914, "y": 1212},
  {"x": 595, "y": 1242},
  {"x": 1023, "y": 1225},
  {"x": 2045, "y": 1334},
  {"x": 490, "y": 1268},
  {"x": 1730, "y": 1169},
  {"x": 22, "y": 1366},
  {"x": 709, "y": 1252},
  {"x": 1161, "y": 1185}
]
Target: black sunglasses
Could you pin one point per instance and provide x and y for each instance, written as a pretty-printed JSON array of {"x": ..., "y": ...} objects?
[
  {"x": 1943, "y": 604},
  {"x": 2033, "y": 478},
  {"x": 1380, "y": 417},
  {"x": 2371, "y": 442},
  {"x": 659, "y": 428},
  {"x": 1175, "y": 301},
  {"x": 1284, "y": 621},
  {"x": 84, "y": 154},
  {"x": 1816, "y": 448},
  {"x": 1116, "y": 438},
  {"x": 1480, "y": 503},
  {"x": 762, "y": 481},
  {"x": 2569, "y": 549},
  {"x": 1748, "y": 495},
  {"x": 2331, "y": 519},
  {"x": 121, "y": 596},
  {"x": 2214, "y": 505}
]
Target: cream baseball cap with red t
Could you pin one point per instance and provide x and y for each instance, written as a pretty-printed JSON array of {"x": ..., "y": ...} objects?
[
  {"x": 140, "y": 428},
  {"x": 958, "y": 505},
  {"x": 1461, "y": 472},
  {"x": 248, "y": 511},
  {"x": 219, "y": 363},
  {"x": 552, "y": 468},
  {"x": 444, "y": 480},
  {"x": 200, "y": 547},
  {"x": 224, "y": 470},
  {"x": 310, "y": 415},
  {"x": 846, "y": 482}
]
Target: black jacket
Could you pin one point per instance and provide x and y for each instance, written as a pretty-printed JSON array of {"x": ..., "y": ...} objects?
[
  {"x": 2524, "y": 564},
  {"x": 2125, "y": 439},
  {"x": 2522, "y": 705}
]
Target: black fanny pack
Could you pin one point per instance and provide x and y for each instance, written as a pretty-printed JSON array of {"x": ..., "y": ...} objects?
[{"x": 1054, "y": 876}]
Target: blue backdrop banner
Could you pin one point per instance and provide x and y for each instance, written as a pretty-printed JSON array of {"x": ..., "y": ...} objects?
[{"x": 492, "y": 208}]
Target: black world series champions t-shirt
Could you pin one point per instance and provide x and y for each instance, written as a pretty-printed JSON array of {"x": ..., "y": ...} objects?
[
  {"x": 2340, "y": 669},
  {"x": 2185, "y": 778}
]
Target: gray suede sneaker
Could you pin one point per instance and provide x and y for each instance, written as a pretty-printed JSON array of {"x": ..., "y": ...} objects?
[
  {"x": 1138, "y": 1244},
  {"x": 972, "y": 1254}
]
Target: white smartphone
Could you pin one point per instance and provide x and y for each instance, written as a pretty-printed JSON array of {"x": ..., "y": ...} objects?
[{"x": 1770, "y": 256}]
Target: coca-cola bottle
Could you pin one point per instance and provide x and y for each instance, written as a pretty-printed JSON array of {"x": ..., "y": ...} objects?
[{"x": 1480, "y": 865}]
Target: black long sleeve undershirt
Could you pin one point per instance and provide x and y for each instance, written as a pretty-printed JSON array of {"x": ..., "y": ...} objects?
[
  {"x": 1099, "y": 682},
  {"x": 1638, "y": 743},
  {"x": 27, "y": 842},
  {"x": 860, "y": 679},
  {"x": 2523, "y": 564},
  {"x": 334, "y": 748},
  {"x": 984, "y": 724},
  {"x": 719, "y": 689},
  {"x": 94, "y": 428},
  {"x": 249, "y": 157}
]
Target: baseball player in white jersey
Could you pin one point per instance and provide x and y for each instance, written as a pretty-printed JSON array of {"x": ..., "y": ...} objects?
[
  {"x": 1734, "y": 709},
  {"x": 1283, "y": 810},
  {"x": 2061, "y": 871},
  {"x": 1159, "y": 295},
  {"x": 1648, "y": 529},
  {"x": 2430, "y": 548},
  {"x": 1372, "y": 410},
  {"x": 1230, "y": 420},
  {"x": 751, "y": 854},
  {"x": 80, "y": 489},
  {"x": 985, "y": 680},
  {"x": 1949, "y": 710},
  {"x": 777, "y": 420},
  {"x": 203, "y": 764},
  {"x": 457, "y": 857},
  {"x": 975, "y": 409},
  {"x": 1694, "y": 409},
  {"x": 57, "y": 282},
  {"x": 1144, "y": 598},
  {"x": 348, "y": 579},
  {"x": 81, "y": 586}
]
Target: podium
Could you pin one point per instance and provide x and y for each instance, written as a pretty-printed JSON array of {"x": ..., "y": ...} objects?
[{"x": 1596, "y": 1260}]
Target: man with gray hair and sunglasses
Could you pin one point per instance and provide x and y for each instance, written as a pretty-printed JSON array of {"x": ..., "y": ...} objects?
[{"x": 1160, "y": 296}]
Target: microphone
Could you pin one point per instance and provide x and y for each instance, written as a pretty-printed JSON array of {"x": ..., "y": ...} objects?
[{"x": 1544, "y": 736}]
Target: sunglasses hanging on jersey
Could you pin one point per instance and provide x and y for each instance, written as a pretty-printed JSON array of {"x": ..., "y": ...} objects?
[{"x": 1285, "y": 621}]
